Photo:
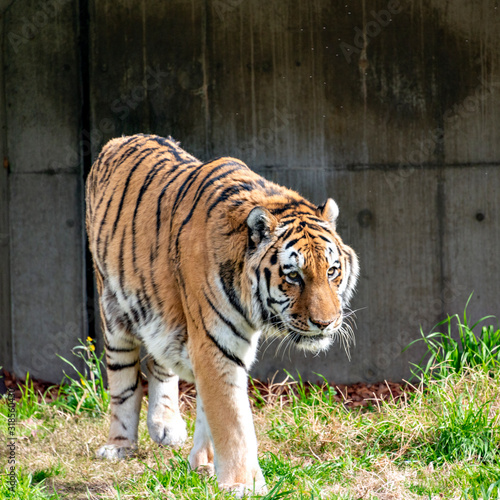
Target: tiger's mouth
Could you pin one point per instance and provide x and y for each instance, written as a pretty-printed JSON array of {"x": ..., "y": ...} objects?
[
  {"x": 316, "y": 342},
  {"x": 300, "y": 337},
  {"x": 317, "y": 334},
  {"x": 306, "y": 340},
  {"x": 311, "y": 342}
]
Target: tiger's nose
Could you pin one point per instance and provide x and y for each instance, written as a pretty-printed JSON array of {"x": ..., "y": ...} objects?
[{"x": 320, "y": 323}]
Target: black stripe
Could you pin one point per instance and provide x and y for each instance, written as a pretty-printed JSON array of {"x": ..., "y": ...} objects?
[
  {"x": 116, "y": 417},
  {"x": 224, "y": 351},
  {"x": 291, "y": 205},
  {"x": 135, "y": 314},
  {"x": 238, "y": 166},
  {"x": 287, "y": 233},
  {"x": 121, "y": 398},
  {"x": 160, "y": 371},
  {"x": 103, "y": 221},
  {"x": 267, "y": 275},
  {"x": 325, "y": 239},
  {"x": 147, "y": 182},
  {"x": 121, "y": 261},
  {"x": 188, "y": 183},
  {"x": 263, "y": 312},
  {"x": 128, "y": 323},
  {"x": 117, "y": 349},
  {"x": 115, "y": 162},
  {"x": 118, "y": 366},
  {"x": 227, "y": 193},
  {"x": 105, "y": 175},
  {"x": 349, "y": 258},
  {"x": 146, "y": 152},
  {"x": 226, "y": 274},
  {"x": 205, "y": 183},
  {"x": 226, "y": 321},
  {"x": 156, "y": 377},
  {"x": 125, "y": 151},
  {"x": 199, "y": 193},
  {"x": 149, "y": 179},
  {"x": 292, "y": 242},
  {"x": 105, "y": 256},
  {"x": 142, "y": 308},
  {"x": 296, "y": 215},
  {"x": 182, "y": 191},
  {"x": 152, "y": 280},
  {"x": 274, "y": 258},
  {"x": 181, "y": 156},
  {"x": 178, "y": 173},
  {"x": 272, "y": 300},
  {"x": 144, "y": 297},
  {"x": 315, "y": 227}
]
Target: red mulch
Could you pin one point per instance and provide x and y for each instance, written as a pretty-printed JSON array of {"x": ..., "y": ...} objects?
[
  {"x": 40, "y": 386},
  {"x": 353, "y": 396}
]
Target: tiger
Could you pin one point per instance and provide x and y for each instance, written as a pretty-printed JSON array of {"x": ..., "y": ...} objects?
[{"x": 196, "y": 262}]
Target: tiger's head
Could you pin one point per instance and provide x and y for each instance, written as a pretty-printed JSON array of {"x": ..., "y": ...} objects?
[{"x": 304, "y": 276}]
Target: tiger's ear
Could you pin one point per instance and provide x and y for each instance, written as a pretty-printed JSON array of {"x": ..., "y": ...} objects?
[
  {"x": 260, "y": 224},
  {"x": 329, "y": 211}
]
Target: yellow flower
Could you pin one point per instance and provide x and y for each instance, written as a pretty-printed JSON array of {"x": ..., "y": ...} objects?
[
  {"x": 82, "y": 381},
  {"x": 89, "y": 339},
  {"x": 92, "y": 347}
]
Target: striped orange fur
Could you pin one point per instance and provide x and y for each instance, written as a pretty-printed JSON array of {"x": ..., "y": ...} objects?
[{"x": 195, "y": 261}]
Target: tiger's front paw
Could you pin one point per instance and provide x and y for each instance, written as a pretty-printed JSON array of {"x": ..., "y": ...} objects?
[
  {"x": 115, "y": 452},
  {"x": 207, "y": 470},
  {"x": 240, "y": 490},
  {"x": 171, "y": 433}
]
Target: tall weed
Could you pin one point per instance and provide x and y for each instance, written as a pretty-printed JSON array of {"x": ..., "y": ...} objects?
[
  {"x": 87, "y": 393},
  {"x": 445, "y": 355}
]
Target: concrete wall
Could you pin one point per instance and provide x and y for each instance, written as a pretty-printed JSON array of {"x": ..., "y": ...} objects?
[
  {"x": 41, "y": 80},
  {"x": 5, "y": 324},
  {"x": 390, "y": 107}
]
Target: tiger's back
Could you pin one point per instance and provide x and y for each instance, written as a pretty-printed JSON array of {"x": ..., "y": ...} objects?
[
  {"x": 128, "y": 195},
  {"x": 194, "y": 261}
]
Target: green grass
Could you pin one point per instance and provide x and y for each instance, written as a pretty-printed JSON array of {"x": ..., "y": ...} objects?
[
  {"x": 440, "y": 441},
  {"x": 27, "y": 486},
  {"x": 465, "y": 432},
  {"x": 459, "y": 347}
]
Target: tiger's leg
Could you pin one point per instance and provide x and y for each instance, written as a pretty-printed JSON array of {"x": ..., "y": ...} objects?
[
  {"x": 222, "y": 386},
  {"x": 123, "y": 362},
  {"x": 201, "y": 457},
  {"x": 165, "y": 424}
]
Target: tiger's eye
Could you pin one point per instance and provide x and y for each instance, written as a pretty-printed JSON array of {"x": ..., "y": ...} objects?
[
  {"x": 333, "y": 272},
  {"x": 293, "y": 275}
]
